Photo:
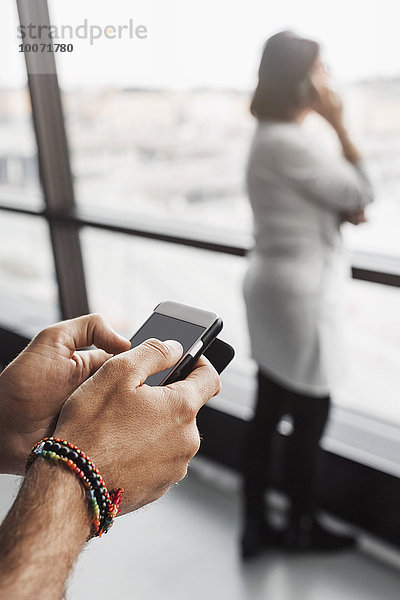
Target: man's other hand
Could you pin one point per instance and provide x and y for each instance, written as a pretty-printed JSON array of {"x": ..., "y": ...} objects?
[{"x": 35, "y": 385}]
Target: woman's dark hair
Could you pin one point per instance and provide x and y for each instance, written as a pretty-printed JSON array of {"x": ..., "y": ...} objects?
[{"x": 283, "y": 84}]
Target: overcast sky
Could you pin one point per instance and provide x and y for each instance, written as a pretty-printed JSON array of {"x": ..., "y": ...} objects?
[{"x": 212, "y": 42}]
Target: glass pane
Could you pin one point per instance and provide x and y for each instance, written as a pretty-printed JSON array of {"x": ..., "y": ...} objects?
[
  {"x": 160, "y": 127},
  {"x": 371, "y": 336},
  {"x": 19, "y": 179},
  {"x": 28, "y": 297}
]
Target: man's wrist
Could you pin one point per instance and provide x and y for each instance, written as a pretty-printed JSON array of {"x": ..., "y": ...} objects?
[
  {"x": 14, "y": 445},
  {"x": 48, "y": 524},
  {"x": 12, "y": 452}
]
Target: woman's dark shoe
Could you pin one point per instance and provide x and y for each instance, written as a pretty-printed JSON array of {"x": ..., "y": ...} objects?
[
  {"x": 257, "y": 537},
  {"x": 305, "y": 534}
]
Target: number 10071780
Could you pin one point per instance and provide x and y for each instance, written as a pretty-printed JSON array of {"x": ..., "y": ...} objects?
[{"x": 46, "y": 47}]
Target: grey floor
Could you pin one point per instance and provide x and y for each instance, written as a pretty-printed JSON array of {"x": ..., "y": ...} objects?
[{"x": 185, "y": 546}]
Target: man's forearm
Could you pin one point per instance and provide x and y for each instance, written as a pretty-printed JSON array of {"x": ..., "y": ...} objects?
[{"x": 43, "y": 534}]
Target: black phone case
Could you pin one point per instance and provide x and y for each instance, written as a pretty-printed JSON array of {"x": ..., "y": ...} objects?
[{"x": 219, "y": 354}]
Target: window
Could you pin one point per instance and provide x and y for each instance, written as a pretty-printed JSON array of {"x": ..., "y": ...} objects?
[
  {"x": 161, "y": 136},
  {"x": 143, "y": 146},
  {"x": 28, "y": 299}
]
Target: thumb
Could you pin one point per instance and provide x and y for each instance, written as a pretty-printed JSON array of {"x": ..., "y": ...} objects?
[
  {"x": 91, "y": 329},
  {"x": 152, "y": 356}
]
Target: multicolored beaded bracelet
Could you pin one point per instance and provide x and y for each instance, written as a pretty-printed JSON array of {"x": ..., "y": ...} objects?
[{"x": 104, "y": 504}]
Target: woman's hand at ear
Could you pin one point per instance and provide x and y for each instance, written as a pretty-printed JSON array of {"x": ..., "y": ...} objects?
[{"x": 330, "y": 106}]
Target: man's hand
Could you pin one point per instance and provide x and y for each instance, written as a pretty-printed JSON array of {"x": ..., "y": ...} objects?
[
  {"x": 141, "y": 438},
  {"x": 35, "y": 385}
]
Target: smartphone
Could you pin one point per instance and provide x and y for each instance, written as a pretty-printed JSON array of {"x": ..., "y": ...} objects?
[{"x": 193, "y": 327}]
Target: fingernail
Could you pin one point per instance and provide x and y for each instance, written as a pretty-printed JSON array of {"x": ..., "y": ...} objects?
[{"x": 175, "y": 347}]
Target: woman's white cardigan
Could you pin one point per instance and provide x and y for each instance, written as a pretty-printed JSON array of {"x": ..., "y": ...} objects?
[{"x": 298, "y": 195}]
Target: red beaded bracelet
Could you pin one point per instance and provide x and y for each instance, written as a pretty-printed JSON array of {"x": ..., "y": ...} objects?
[{"x": 104, "y": 504}]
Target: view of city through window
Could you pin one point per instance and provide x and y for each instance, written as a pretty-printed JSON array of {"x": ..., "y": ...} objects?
[
  {"x": 177, "y": 158},
  {"x": 172, "y": 155}
]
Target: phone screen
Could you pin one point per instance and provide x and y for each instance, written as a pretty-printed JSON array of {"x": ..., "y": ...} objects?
[{"x": 164, "y": 328}]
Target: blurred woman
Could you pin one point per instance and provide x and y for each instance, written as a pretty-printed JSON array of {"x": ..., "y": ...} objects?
[{"x": 299, "y": 195}]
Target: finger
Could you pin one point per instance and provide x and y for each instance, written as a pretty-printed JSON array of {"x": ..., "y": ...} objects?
[
  {"x": 152, "y": 356},
  {"x": 92, "y": 329},
  {"x": 88, "y": 362},
  {"x": 201, "y": 385}
]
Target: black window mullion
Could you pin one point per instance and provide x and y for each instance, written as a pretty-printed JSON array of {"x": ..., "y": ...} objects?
[{"x": 54, "y": 164}]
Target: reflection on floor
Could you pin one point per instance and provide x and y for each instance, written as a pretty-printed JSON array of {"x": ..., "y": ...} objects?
[{"x": 185, "y": 546}]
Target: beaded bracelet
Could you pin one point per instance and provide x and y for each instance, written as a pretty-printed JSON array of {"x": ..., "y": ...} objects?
[{"x": 104, "y": 505}]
